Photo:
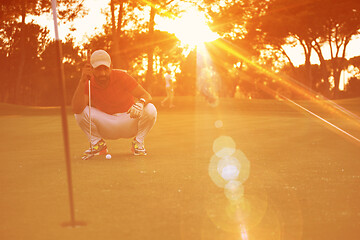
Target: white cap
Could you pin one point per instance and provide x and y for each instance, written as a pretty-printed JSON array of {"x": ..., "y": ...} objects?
[{"x": 100, "y": 57}]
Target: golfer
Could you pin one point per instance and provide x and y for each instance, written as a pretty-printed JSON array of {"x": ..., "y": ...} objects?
[
  {"x": 120, "y": 107},
  {"x": 169, "y": 86}
]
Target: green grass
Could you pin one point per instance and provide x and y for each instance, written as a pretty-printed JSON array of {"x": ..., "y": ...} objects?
[{"x": 304, "y": 176}]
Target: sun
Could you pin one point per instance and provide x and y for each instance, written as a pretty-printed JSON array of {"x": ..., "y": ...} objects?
[{"x": 191, "y": 28}]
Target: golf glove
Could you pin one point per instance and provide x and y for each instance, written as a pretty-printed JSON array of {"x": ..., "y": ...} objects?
[{"x": 136, "y": 110}]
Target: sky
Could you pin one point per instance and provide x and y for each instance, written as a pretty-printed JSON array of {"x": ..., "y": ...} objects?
[
  {"x": 352, "y": 50},
  {"x": 86, "y": 27}
]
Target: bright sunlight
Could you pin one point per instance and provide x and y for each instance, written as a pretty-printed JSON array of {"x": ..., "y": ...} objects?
[{"x": 190, "y": 28}]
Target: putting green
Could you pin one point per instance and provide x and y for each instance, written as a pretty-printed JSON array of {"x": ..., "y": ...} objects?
[{"x": 302, "y": 180}]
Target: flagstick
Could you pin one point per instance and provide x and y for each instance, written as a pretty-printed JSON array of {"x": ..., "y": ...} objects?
[{"x": 64, "y": 119}]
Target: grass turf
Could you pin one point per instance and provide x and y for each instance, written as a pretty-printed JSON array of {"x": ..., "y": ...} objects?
[{"x": 303, "y": 184}]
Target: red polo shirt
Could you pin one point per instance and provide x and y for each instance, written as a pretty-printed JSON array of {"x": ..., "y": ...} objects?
[{"x": 116, "y": 98}]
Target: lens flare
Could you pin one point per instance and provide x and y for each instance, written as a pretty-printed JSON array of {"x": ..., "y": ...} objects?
[
  {"x": 243, "y": 232},
  {"x": 208, "y": 80},
  {"x": 219, "y": 124},
  {"x": 224, "y": 146},
  {"x": 229, "y": 168},
  {"x": 297, "y": 88},
  {"x": 229, "y": 172},
  {"x": 234, "y": 191},
  {"x": 249, "y": 211}
]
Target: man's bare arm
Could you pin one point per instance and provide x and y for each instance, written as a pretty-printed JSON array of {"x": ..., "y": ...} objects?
[
  {"x": 80, "y": 99},
  {"x": 140, "y": 92}
]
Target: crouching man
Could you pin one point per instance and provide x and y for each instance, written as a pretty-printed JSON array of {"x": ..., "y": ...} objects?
[{"x": 120, "y": 107}]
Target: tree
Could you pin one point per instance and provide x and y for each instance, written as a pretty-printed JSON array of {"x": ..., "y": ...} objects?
[
  {"x": 11, "y": 52},
  {"x": 340, "y": 22},
  {"x": 161, "y": 7},
  {"x": 48, "y": 87},
  {"x": 231, "y": 21},
  {"x": 125, "y": 15},
  {"x": 287, "y": 22},
  {"x": 14, "y": 13},
  {"x": 353, "y": 86},
  {"x": 313, "y": 24},
  {"x": 186, "y": 79}
]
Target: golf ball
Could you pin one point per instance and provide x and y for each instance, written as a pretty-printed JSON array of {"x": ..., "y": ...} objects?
[{"x": 108, "y": 156}]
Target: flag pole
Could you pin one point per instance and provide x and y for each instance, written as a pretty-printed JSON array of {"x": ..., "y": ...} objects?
[{"x": 61, "y": 77}]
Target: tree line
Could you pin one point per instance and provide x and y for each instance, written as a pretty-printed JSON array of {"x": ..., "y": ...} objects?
[{"x": 256, "y": 31}]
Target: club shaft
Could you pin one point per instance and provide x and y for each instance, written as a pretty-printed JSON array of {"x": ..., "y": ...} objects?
[{"x": 91, "y": 146}]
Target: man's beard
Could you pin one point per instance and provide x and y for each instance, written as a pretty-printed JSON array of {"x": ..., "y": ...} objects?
[{"x": 103, "y": 81}]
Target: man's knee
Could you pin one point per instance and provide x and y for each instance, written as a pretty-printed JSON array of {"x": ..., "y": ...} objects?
[
  {"x": 84, "y": 115},
  {"x": 150, "y": 111}
]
